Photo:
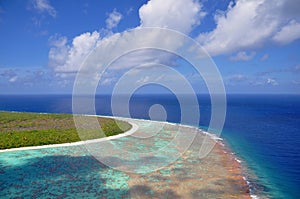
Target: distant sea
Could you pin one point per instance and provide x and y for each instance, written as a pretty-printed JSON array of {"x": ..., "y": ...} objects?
[{"x": 262, "y": 130}]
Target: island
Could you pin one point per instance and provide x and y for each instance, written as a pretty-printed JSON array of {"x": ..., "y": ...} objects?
[{"x": 72, "y": 171}]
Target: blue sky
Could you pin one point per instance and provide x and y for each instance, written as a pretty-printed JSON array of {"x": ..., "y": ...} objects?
[{"x": 254, "y": 43}]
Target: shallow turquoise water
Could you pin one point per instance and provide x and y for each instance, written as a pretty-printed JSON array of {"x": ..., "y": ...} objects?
[
  {"x": 64, "y": 172},
  {"x": 73, "y": 172}
]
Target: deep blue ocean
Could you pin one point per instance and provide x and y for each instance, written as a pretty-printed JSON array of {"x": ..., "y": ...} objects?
[{"x": 262, "y": 130}]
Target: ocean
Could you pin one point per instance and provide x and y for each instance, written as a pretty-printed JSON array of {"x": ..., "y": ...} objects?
[{"x": 262, "y": 130}]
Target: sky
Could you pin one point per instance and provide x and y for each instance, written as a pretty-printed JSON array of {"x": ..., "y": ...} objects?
[{"x": 255, "y": 44}]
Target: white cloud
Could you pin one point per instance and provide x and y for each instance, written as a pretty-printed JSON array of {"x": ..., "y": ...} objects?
[
  {"x": 58, "y": 52},
  {"x": 288, "y": 33},
  {"x": 272, "y": 82},
  {"x": 249, "y": 24},
  {"x": 43, "y": 6},
  {"x": 113, "y": 19},
  {"x": 237, "y": 78},
  {"x": 242, "y": 56},
  {"x": 143, "y": 80},
  {"x": 264, "y": 82},
  {"x": 13, "y": 79},
  {"x": 257, "y": 83},
  {"x": 67, "y": 58},
  {"x": 108, "y": 81},
  {"x": 143, "y": 58},
  {"x": 23, "y": 77},
  {"x": 7, "y": 73},
  {"x": 180, "y": 15},
  {"x": 64, "y": 83}
]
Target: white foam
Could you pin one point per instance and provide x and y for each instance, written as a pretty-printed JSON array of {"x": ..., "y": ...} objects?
[
  {"x": 254, "y": 196},
  {"x": 221, "y": 143}
]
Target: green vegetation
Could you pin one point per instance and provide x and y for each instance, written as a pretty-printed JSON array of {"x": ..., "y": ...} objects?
[{"x": 33, "y": 129}]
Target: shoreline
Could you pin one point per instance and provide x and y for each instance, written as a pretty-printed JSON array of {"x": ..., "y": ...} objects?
[
  {"x": 219, "y": 144},
  {"x": 242, "y": 167},
  {"x": 129, "y": 132}
]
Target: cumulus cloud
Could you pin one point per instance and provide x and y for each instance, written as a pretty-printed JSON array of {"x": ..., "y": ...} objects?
[
  {"x": 67, "y": 58},
  {"x": 248, "y": 24},
  {"x": 58, "y": 52},
  {"x": 43, "y": 6},
  {"x": 113, "y": 19},
  {"x": 288, "y": 33},
  {"x": 242, "y": 56},
  {"x": 180, "y": 15}
]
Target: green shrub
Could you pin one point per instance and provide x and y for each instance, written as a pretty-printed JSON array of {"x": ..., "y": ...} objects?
[{"x": 33, "y": 129}]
